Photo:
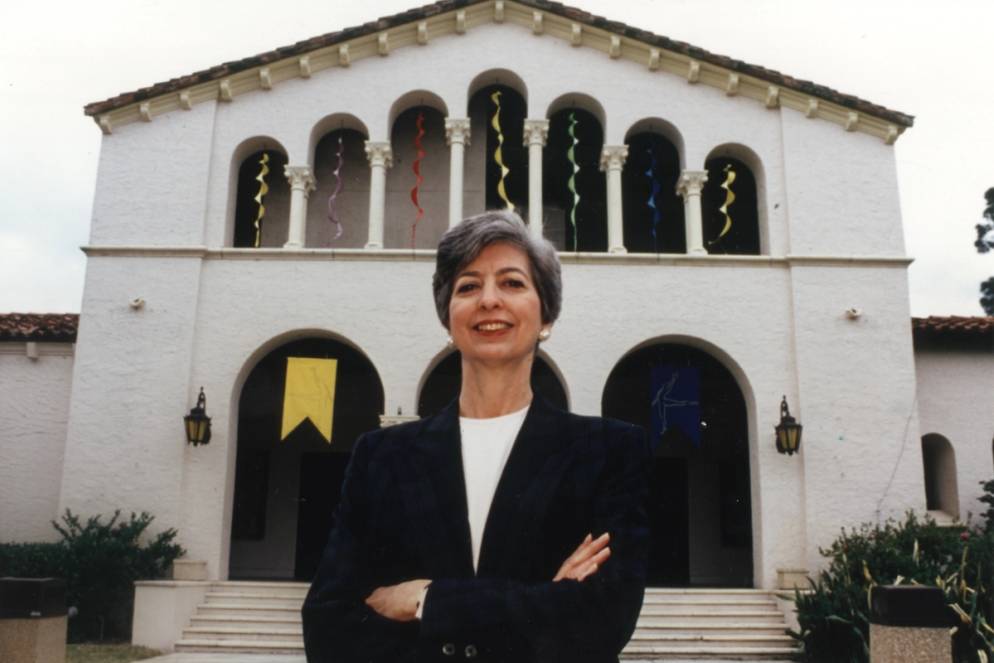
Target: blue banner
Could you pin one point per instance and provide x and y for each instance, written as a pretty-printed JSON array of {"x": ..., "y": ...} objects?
[{"x": 676, "y": 402}]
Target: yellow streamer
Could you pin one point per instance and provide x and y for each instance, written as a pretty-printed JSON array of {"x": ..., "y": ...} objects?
[
  {"x": 498, "y": 154},
  {"x": 263, "y": 190},
  {"x": 729, "y": 199},
  {"x": 309, "y": 394}
]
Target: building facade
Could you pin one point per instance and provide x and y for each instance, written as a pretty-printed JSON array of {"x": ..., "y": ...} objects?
[{"x": 729, "y": 236}]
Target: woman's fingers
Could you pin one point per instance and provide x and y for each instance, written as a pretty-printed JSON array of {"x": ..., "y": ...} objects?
[
  {"x": 589, "y": 550},
  {"x": 596, "y": 563}
]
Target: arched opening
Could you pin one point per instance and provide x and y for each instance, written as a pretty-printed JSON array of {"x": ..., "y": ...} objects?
[
  {"x": 286, "y": 490},
  {"x": 939, "y": 463},
  {"x": 338, "y": 209},
  {"x": 499, "y": 111},
  {"x": 441, "y": 386},
  {"x": 730, "y": 204},
  {"x": 654, "y": 214},
  {"x": 417, "y": 198},
  {"x": 573, "y": 187},
  {"x": 262, "y": 195},
  {"x": 700, "y": 497}
]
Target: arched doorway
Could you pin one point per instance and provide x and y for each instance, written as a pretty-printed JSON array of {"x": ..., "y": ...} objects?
[
  {"x": 442, "y": 385},
  {"x": 700, "y": 507},
  {"x": 286, "y": 491}
]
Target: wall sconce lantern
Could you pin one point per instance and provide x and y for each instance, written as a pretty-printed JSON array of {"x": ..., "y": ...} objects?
[
  {"x": 198, "y": 424},
  {"x": 788, "y": 431}
]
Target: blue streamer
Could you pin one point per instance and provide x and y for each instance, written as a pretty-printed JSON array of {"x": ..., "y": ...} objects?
[{"x": 656, "y": 188}]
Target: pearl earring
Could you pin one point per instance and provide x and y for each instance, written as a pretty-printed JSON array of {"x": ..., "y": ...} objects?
[
  {"x": 544, "y": 334},
  {"x": 449, "y": 342}
]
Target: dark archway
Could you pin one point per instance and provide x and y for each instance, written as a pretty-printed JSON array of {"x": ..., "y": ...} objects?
[
  {"x": 442, "y": 385},
  {"x": 700, "y": 502},
  {"x": 738, "y": 232},
  {"x": 263, "y": 166},
  {"x": 338, "y": 213},
  {"x": 286, "y": 491},
  {"x": 653, "y": 211},
  {"x": 514, "y": 154},
  {"x": 420, "y": 159},
  {"x": 589, "y": 183}
]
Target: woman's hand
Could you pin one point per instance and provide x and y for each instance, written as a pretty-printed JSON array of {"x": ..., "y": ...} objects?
[
  {"x": 586, "y": 559},
  {"x": 398, "y": 602}
]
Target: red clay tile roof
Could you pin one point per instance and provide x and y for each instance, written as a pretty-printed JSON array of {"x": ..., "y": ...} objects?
[
  {"x": 572, "y": 13},
  {"x": 976, "y": 331},
  {"x": 45, "y": 327}
]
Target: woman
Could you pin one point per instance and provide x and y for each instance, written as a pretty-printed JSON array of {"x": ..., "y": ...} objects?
[{"x": 501, "y": 529}]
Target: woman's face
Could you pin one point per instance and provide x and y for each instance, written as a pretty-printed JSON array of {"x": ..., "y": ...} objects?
[{"x": 495, "y": 312}]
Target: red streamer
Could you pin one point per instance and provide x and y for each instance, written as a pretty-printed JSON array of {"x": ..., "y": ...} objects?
[{"x": 417, "y": 174}]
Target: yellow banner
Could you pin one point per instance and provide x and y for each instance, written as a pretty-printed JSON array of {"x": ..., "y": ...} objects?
[{"x": 309, "y": 394}]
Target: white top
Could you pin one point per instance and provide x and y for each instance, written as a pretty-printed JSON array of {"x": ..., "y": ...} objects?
[{"x": 486, "y": 445}]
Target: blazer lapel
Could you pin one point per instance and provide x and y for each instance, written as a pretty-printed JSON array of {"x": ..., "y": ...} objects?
[
  {"x": 439, "y": 493},
  {"x": 527, "y": 483}
]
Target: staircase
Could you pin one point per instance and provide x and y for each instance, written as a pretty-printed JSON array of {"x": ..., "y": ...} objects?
[
  {"x": 701, "y": 624},
  {"x": 710, "y": 624},
  {"x": 247, "y": 617}
]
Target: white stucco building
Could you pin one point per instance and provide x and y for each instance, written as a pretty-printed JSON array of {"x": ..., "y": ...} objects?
[{"x": 804, "y": 295}]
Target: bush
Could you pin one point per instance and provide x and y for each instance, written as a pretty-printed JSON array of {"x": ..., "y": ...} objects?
[
  {"x": 834, "y": 615},
  {"x": 100, "y": 563}
]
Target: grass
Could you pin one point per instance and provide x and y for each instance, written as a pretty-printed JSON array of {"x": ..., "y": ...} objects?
[{"x": 108, "y": 653}]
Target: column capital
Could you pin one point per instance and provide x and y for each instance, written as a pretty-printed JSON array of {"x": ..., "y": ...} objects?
[
  {"x": 300, "y": 177},
  {"x": 456, "y": 130},
  {"x": 613, "y": 157},
  {"x": 536, "y": 132},
  {"x": 691, "y": 182},
  {"x": 379, "y": 154}
]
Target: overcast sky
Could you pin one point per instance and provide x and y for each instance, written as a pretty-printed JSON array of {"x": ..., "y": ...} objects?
[{"x": 929, "y": 58}]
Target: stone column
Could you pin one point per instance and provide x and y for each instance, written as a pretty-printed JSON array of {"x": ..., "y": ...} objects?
[
  {"x": 612, "y": 161},
  {"x": 535, "y": 134},
  {"x": 380, "y": 157},
  {"x": 457, "y": 138},
  {"x": 689, "y": 187},
  {"x": 301, "y": 184}
]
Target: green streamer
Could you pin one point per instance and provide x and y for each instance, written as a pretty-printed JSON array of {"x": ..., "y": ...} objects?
[{"x": 571, "y": 154}]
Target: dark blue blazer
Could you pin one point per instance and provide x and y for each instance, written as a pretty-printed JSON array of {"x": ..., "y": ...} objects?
[{"x": 403, "y": 516}]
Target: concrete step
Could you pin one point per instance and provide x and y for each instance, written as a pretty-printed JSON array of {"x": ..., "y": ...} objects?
[
  {"x": 239, "y": 646},
  {"x": 712, "y": 640},
  {"x": 666, "y": 653},
  {"x": 257, "y": 600},
  {"x": 229, "y": 610},
  {"x": 651, "y": 616},
  {"x": 727, "y": 628},
  {"x": 243, "y": 633},
  {"x": 208, "y": 621}
]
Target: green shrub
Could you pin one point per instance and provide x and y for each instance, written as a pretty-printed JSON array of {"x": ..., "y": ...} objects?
[
  {"x": 100, "y": 563},
  {"x": 834, "y": 615}
]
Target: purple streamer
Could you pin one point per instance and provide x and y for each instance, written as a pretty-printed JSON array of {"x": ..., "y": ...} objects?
[
  {"x": 656, "y": 187},
  {"x": 332, "y": 215}
]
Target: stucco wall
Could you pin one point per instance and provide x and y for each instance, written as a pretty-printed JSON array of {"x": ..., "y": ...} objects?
[
  {"x": 955, "y": 400},
  {"x": 778, "y": 325},
  {"x": 34, "y": 407}
]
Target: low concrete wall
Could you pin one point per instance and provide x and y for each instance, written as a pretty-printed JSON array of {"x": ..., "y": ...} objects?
[
  {"x": 38, "y": 640},
  {"x": 163, "y": 609}
]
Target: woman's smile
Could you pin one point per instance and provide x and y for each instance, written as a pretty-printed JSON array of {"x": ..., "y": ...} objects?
[{"x": 495, "y": 311}]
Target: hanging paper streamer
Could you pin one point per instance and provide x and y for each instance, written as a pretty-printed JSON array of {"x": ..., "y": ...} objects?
[
  {"x": 259, "y": 197},
  {"x": 656, "y": 187},
  {"x": 729, "y": 199},
  {"x": 498, "y": 153},
  {"x": 332, "y": 214},
  {"x": 571, "y": 155},
  {"x": 420, "y": 123},
  {"x": 309, "y": 394},
  {"x": 676, "y": 402}
]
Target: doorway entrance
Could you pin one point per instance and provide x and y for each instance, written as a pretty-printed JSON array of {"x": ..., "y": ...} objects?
[
  {"x": 286, "y": 491},
  {"x": 700, "y": 508}
]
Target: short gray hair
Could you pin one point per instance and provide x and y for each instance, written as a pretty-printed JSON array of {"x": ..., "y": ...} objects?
[{"x": 462, "y": 243}]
